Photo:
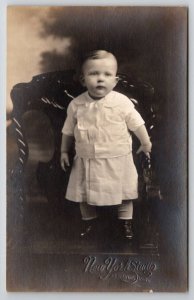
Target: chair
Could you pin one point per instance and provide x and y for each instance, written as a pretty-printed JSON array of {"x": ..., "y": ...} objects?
[{"x": 49, "y": 95}]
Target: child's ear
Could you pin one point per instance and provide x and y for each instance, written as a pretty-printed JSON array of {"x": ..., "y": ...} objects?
[
  {"x": 82, "y": 80},
  {"x": 116, "y": 80}
]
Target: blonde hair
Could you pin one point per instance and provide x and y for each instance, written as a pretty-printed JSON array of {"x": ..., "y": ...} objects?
[{"x": 98, "y": 54}]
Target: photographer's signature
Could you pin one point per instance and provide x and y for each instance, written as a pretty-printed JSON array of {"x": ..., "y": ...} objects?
[{"x": 130, "y": 271}]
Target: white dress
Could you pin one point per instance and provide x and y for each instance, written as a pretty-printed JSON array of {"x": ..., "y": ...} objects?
[{"x": 103, "y": 171}]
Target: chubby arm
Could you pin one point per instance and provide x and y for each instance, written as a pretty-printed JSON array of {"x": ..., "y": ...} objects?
[
  {"x": 66, "y": 144},
  {"x": 142, "y": 134}
]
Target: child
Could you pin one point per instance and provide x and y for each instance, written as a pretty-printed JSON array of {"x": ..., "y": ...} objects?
[{"x": 99, "y": 120}]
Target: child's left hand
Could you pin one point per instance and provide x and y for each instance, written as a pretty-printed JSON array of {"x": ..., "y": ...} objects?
[{"x": 145, "y": 148}]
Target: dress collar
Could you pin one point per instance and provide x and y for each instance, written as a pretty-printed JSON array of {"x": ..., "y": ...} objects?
[
  {"x": 90, "y": 99},
  {"x": 108, "y": 101}
]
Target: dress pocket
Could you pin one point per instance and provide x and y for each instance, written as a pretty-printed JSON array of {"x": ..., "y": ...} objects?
[
  {"x": 81, "y": 135},
  {"x": 111, "y": 115}
]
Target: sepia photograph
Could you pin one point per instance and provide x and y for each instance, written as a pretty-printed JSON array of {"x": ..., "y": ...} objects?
[{"x": 97, "y": 142}]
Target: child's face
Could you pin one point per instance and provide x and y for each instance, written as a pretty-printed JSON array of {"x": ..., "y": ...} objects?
[{"x": 99, "y": 76}]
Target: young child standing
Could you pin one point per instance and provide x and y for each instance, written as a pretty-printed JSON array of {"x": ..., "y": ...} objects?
[{"x": 99, "y": 121}]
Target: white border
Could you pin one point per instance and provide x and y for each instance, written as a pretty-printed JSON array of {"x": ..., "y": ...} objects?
[{"x": 85, "y": 296}]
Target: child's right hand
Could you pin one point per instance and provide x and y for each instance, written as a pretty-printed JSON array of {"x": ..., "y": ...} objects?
[{"x": 64, "y": 161}]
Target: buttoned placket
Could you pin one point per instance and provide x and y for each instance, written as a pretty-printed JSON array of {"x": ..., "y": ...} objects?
[{"x": 96, "y": 108}]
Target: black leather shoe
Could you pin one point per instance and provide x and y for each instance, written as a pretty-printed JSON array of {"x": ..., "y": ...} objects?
[
  {"x": 88, "y": 228},
  {"x": 128, "y": 229}
]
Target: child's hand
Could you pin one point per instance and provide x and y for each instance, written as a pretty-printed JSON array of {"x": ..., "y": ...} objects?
[
  {"x": 145, "y": 148},
  {"x": 64, "y": 161}
]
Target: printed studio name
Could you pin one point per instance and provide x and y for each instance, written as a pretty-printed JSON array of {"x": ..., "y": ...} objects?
[{"x": 130, "y": 271}]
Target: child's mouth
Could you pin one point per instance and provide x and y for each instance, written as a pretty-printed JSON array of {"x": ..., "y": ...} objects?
[{"x": 100, "y": 87}]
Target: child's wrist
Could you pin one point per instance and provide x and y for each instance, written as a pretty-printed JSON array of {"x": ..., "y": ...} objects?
[
  {"x": 146, "y": 147},
  {"x": 148, "y": 143}
]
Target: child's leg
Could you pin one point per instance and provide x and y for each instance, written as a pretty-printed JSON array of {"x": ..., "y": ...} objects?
[
  {"x": 89, "y": 215},
  {"x": 125, "y": 214},
  {"x": 88, "y": 212},
  {"x": 125, "y": 210}
]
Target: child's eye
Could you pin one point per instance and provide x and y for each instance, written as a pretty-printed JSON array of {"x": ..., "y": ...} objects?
[
  {"x": 108, "y": 74},
  {"x": 93, "y": 73}
]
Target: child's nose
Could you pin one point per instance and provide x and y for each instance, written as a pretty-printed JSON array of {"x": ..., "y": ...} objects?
[{"x": 100, "y": 77}]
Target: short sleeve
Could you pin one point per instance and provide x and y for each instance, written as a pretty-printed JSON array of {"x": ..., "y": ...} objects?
[
  {"x": 133, "y": 119},
  {"x": 70, "y": 122}
]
